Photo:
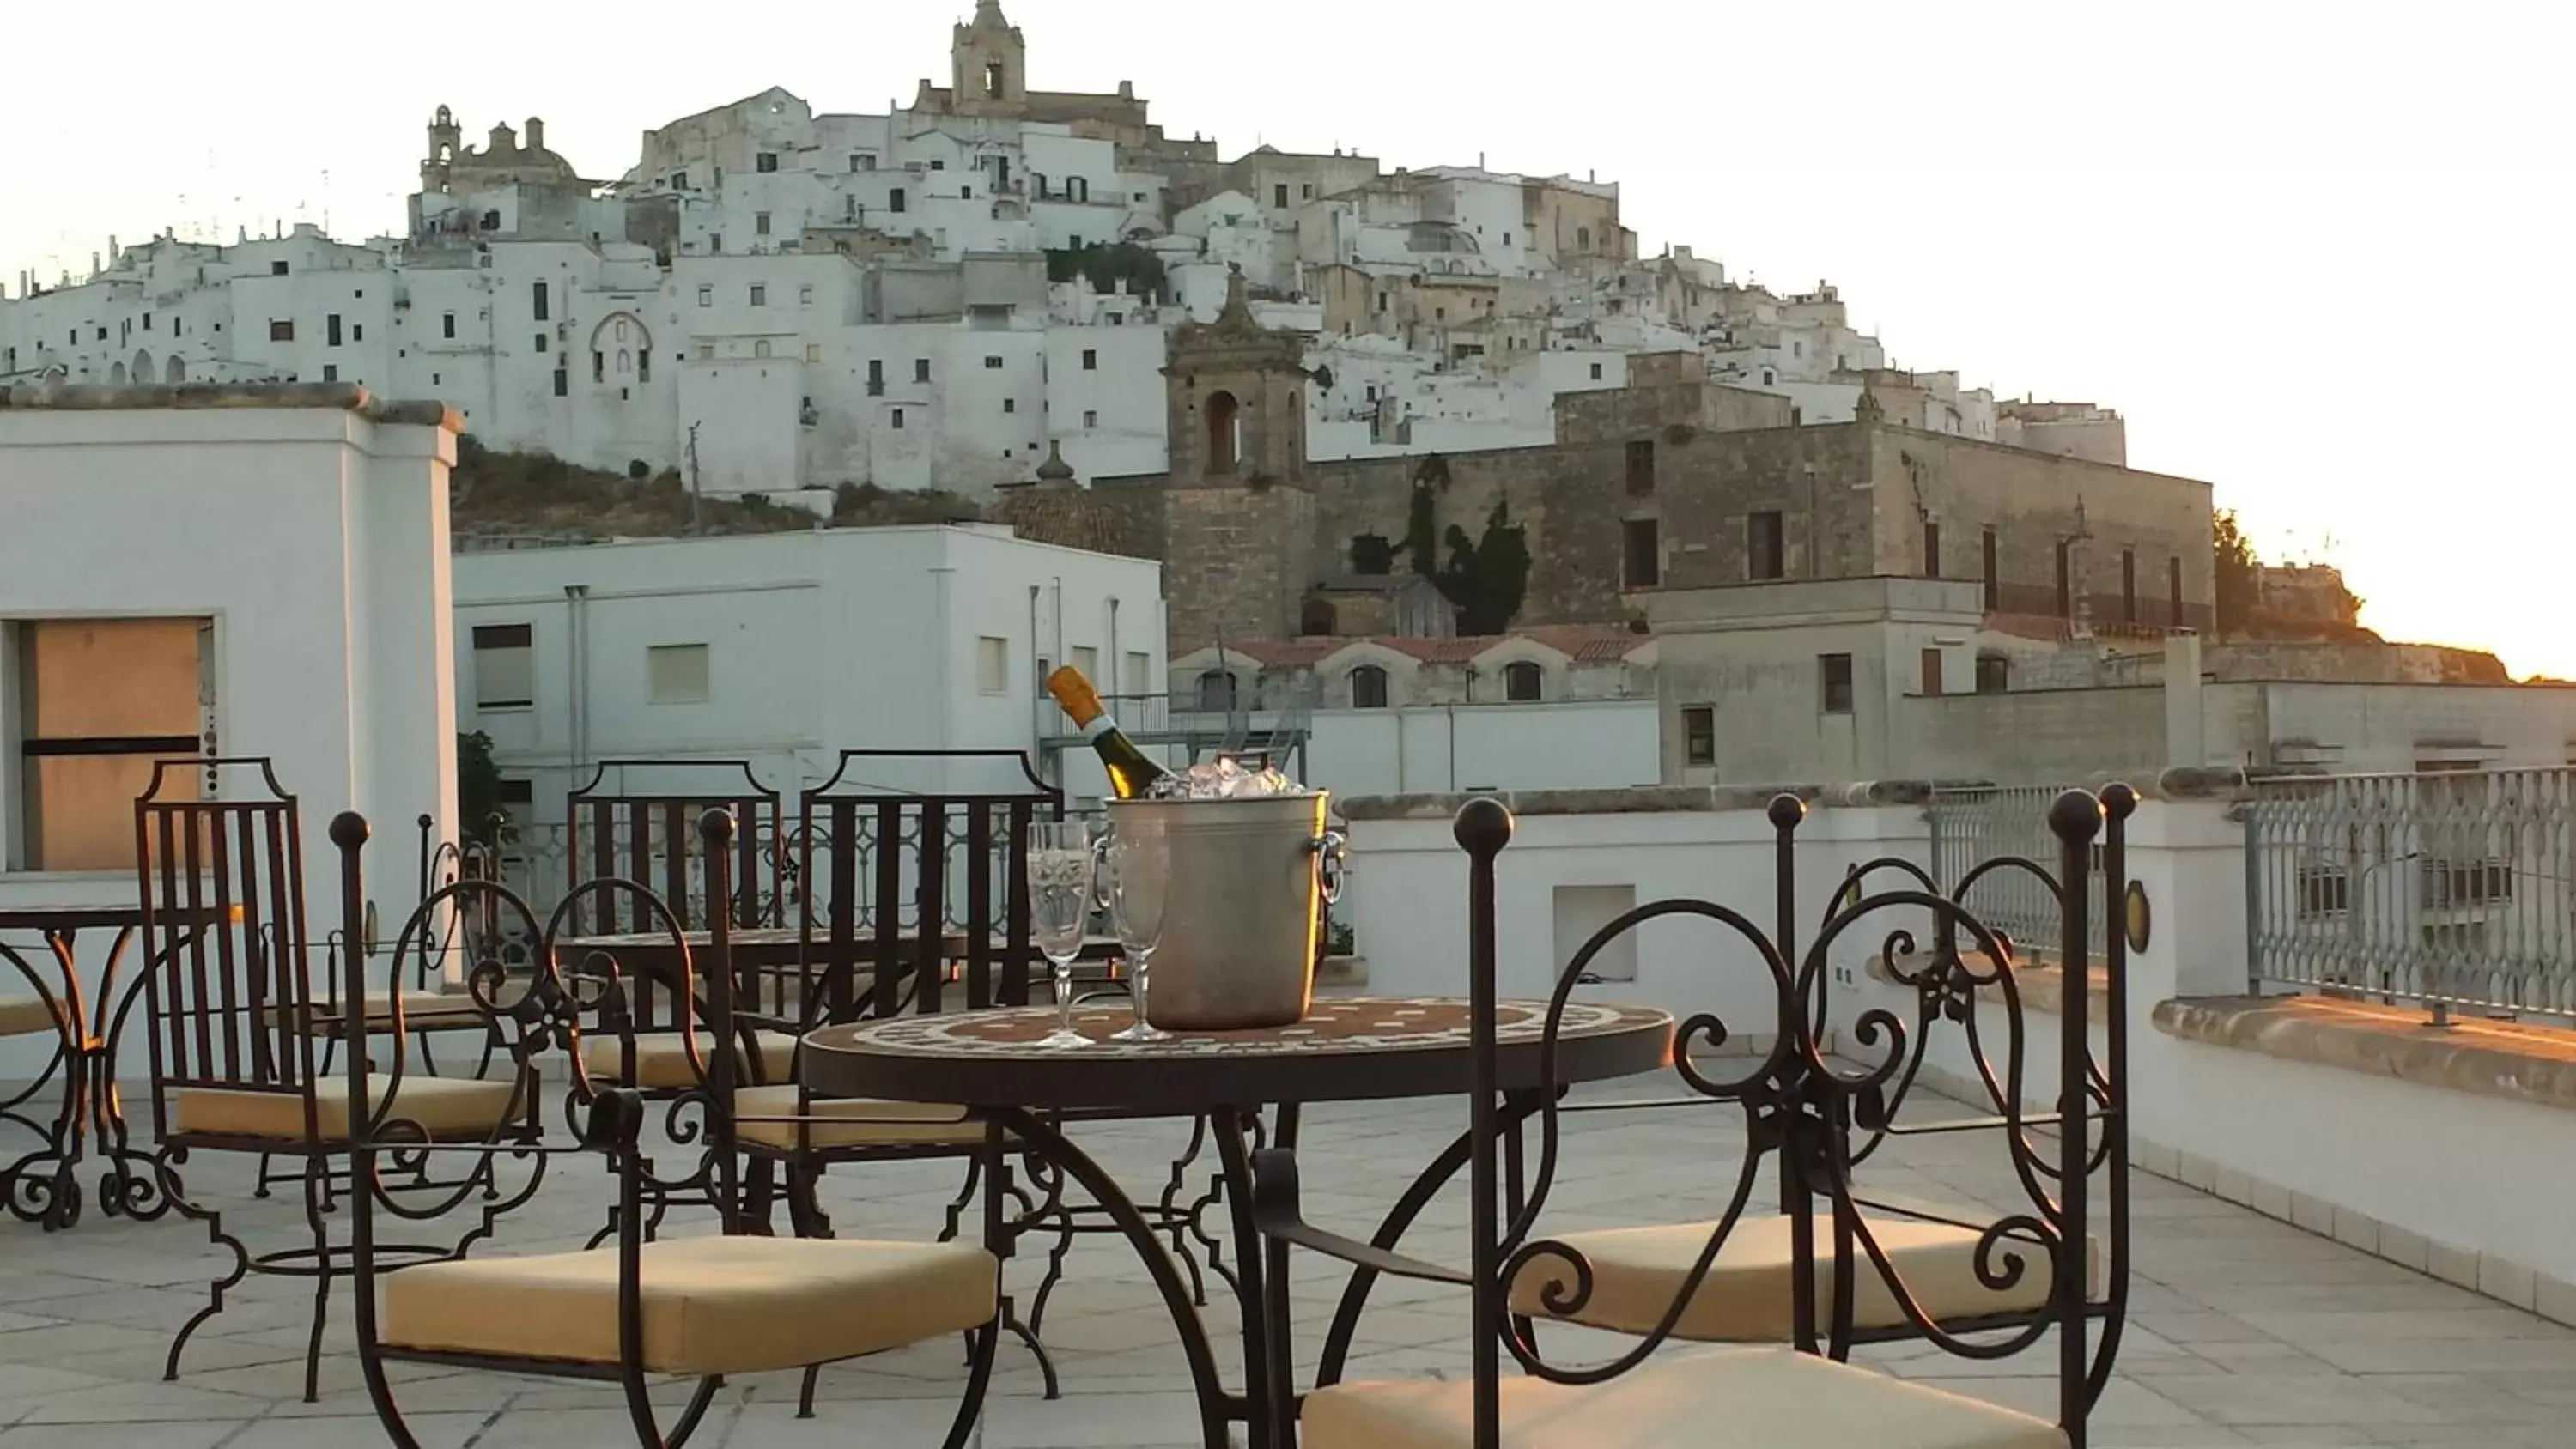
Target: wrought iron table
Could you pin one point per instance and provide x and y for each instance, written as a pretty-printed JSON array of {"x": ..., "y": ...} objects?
[
  {"x": 1347, "y": 1049},
  {"x": 42, "y": 1186}
]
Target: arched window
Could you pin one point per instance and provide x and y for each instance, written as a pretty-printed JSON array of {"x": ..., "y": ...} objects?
[
  {"x": 1583, "y": 238},
  {"x": 760, "y": 347},
  {"x": 1368, "y": 687},
  {"x": 1521, "y": 680},
  {"x": 1318, "y": 616},
  {"x": 1216, "y": 692},
  {"x": 625, "y": 362},
  {"x": 176, "y": 371},
  {"x": 621, "y": 329},
  {"x": 143, "y": 369},
  {"x": 116, "y": 373},
  {"x": 1225, "y": 432}
]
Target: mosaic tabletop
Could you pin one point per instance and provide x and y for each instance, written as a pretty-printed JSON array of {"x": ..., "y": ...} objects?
[{"x": 1346, "y": 1048}]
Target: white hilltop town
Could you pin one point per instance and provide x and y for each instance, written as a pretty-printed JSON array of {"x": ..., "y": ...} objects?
[{"x": 775, "y": 301}]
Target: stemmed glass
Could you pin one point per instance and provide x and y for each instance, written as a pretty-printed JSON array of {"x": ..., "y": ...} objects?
[
  {"x": 1061, "y": 891},
  {"x": 1138, "y": 871}
]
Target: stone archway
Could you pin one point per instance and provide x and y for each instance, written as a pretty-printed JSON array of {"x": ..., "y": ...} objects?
[{"x": 1225, "y": 432}]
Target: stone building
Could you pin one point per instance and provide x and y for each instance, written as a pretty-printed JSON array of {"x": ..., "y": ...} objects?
[{"x": 1674, "y": 481}]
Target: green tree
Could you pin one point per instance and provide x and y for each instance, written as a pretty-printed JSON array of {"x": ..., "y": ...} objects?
[
  {"x": 2236, "y": 572},
  {"x": 478, "y": 787},
  {"x": 1487, "y": 578}
]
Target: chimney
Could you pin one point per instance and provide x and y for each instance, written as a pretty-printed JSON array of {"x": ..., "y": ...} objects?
[{"x": 536, "y": 134}]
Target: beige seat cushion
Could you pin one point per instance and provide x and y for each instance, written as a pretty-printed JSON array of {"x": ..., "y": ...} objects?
[
  {"x": 856, "y": 1122},
  {"x": 711, "y": 1305},
  {"x": 1751, "y": 1398},
  {"x": 25, "y": 1015},
  {"x": 1637, "y": 1272},
  {"x": 662, "y": 1060},
  {"x": 442, "y": 1106}
]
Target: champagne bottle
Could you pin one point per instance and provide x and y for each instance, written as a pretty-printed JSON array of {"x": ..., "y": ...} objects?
[{"x": 1131, "y": 771}]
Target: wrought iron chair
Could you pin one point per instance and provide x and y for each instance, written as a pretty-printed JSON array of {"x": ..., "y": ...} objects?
[
  {"x": 1803, "y": 1113},
  {"x": 696, "y": 1307},
  {"x": 1943, "y": 1259},
  {"x": 619, "y": 832},
  {"x": 233, "y": 1063}
]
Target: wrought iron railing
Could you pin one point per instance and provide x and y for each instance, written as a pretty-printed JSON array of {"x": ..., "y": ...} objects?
[
  {"x": 1971, "y": 826},
  {"x": 2453, "y": 889}
]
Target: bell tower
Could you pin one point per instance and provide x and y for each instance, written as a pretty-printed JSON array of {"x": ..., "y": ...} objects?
[
  {"x": 445, "y": 138},
  {"x": 988, "y": 64},
  {"x": 1236, "y": 394}
]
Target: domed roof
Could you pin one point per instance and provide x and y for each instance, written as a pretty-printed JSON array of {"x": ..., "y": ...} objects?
[{"x": 1055, "y": 470}]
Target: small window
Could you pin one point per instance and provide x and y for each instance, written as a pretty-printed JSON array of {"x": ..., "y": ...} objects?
[
  {"x": 759, "y": 295},
  {"x": 992, "y": 364},
  {"x": 805, "y": 295},
  {"x": 863, "y": 162},
  {"x": 1932, "y": 673},
  {"x": 1521, "y": 681},
  {"x": 1090, "y": 359},
  {"x": 765, "y": 161},
  {"x": 1217, "y": 692},
  {"x": 1596, "y": 372},
  {"x": 2173, "y": 589},
  {"x": 706, "y": 296},
  {"x": 2065, "y": 579},
  {"x": 281, "y": 331},
  {"x": 1010, "y": 404},
  {"x": 538, "y": 343},
  {"x": 1091, "y": 417},
  {"x": 897, "y": 421},
  {"x": 505, "y": 666},
  {"x": 357, "y": 331},
  {"x": 330, "y": 372},
  {"x": 1699, "y": 735},
  {"x": 876, "y": 377},
  {"x": 1931, "y": 549},
  {"x": 813, "y": 352},
  {"x": 1994, "y": 590},
  {"x": 921, "y": 369},
  {"x": 760, "y": 223},
  {"x": 1835, "y": 671},
  {"x": 679, "y": 181},
  {"x": 644, "y": 364},
  {"x": 2128, "y": 586},
  {"x": 447, "y": 324},
  {"x": 563, "y": 382},
  {"x": 1765, "y": 555},
  {"x": 1279, "y": 195},
  {"x": 676, "y": 674},
  {"x": 537, "y": 298},
  {"x": 277, "y": 269},
  {"x": 992, "y": 665},
  {"x": 760, "y": 347},
  {"x": 1140, "y": 673},
  {"x": 598, "y": 366},
  {"x": 715, "y": 241},
  {"x": 1368, "y": 687},
  {"x": 894, "y": 199},
  {"x": 1644, "y": 553},
  {"x": 1641, "y": 467},
  {"x": 1994, "y": 674}
]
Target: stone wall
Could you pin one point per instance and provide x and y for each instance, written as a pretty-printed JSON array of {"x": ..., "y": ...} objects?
[{"x": 1238, "y": 561}]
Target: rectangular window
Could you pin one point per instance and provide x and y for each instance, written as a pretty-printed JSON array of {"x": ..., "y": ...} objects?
[
  {"x": 676, "y": 674},
  {"x": 1699, "y": 735},
  {"x": 331, "y": 330},
  {"x": 2173, "y": 590},
  {"x": 894, "y": 200},
  {"x": 1596, "y": 372},
  {"x": 99, "y": 701},
  {"x": 759, "y": 295},
  {"x": 760, "y": 223},
  {"x": 813, "y": 352},
  {"x": 921, "y": 369},
  {"x": 538, "y": 343},
  {"x": 2065, "y": 579},
  {"x": 644, "y": 364},
  {"x": 505, "y": 666},
  {"x": 598, "y": 366},
  {"x": 281, "y": 331},
  {"x": 1835, "y": 673},
  {"x": 1090, "y": 359},
  {"x": 357, "y": 331},
  {"x": 863, "y": 162},
  {"x": 876, "y": 377},
  {"x": 992, "y": 665},
  {"x": 992, "y": 364},
  {"x": 898, "y": 420},
  {"x": 706, "y": 352},
  {"x": 330, "y": 372},
  {"x": 1010, "y": 404},
  {"x": 1994, "y": 674},
  {"x": 764, "y": 161},
  {"x": 563, "y": 382},
  {"x": 277, "y": 269},
  {"x": 1139, "y": 678},
  {"x": 1644, "y": 554},
  {"x": 1090, "y": 417},
  {"x": 2128, "y": 586},
  {"x": 1931, "y": 549},
  {"x": 447, "y": 324},
  {"x": 1279, "y": 195},
  {"x": 1641, "y": 467},
  {"x": 805, "y": 295},
  {"x": 679, "y": 181},
  {"x": 147, "y": 318},
  {"x": 1932, "y": 673},
  {"x": 539, "y": 300},
  {"x": 1994, "y": 589},
  {"x": 715, "y": 241},
  {"x": 1085, "y": 661},
  {"x": 1765, "y": 551}
]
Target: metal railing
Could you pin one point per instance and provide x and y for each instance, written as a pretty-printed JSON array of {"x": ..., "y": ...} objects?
[
  {"x": 2456, "y": 889},
  {"x": 1973, "y": 826}
]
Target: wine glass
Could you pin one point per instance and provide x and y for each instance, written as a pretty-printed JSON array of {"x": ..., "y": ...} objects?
[
  {"x": 1138, "y": 872},
  {"x": 1061, "y": 891}
]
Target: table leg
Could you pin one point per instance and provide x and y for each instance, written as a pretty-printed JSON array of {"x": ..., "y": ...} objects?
[
  {"x": 1254, "y": 1287},
  {"x": 42, "y": 1187},
  {"x": 130, "y": 1186},
  {"x": 1046, "y": 1142}
]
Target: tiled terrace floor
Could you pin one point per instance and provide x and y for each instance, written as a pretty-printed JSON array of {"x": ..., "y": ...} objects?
[{"x": 2243, "y": 1330}]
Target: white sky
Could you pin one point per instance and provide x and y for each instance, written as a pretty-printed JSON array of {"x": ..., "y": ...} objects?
[{"x": 2318, "y": 254}]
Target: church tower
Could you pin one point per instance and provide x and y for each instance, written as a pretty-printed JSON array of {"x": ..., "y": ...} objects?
[
  {"x": 989, "y": 65},
  {"x": 445, "y": 138},
  {"x": 1236, "y": 394}
]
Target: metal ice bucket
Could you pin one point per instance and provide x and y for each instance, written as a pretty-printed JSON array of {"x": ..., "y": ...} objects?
[{"x": 1243, "y": 908}]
